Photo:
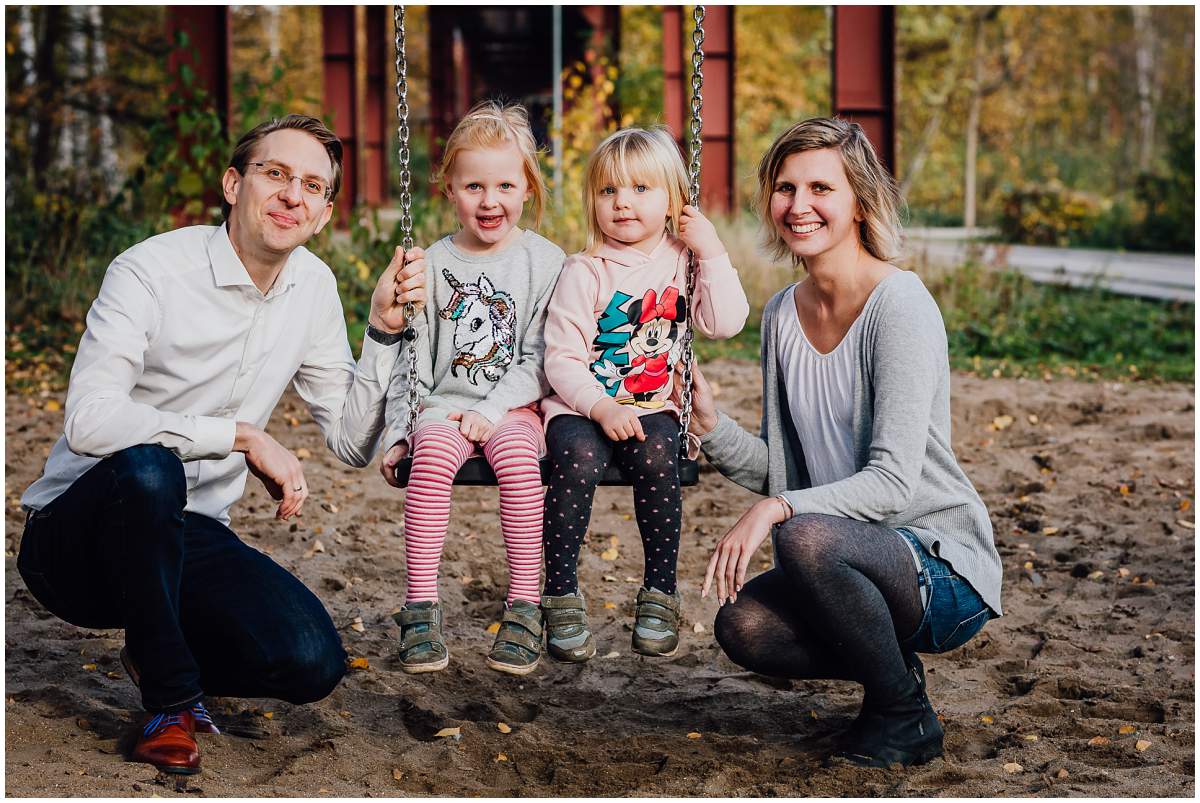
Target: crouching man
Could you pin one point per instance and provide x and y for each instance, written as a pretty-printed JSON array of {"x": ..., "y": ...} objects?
[{"x": 192, "y": 339}]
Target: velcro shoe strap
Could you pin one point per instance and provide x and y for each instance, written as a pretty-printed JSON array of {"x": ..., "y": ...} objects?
[
  {"x": 419, "y": 616},
  {"x": 532, "y": 623},
  {"x": 514, "y": 634},
  {"x": 563, "y": 617},
  {"x": 653, "y": 610},
  {"x": 414, "y": 638}
]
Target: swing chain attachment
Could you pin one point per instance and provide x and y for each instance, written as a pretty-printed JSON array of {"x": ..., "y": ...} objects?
[
  {"x": 689, "y": 444},
  {"x": 406, "y": 222}
]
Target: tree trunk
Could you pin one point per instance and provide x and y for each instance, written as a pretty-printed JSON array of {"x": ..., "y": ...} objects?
[
  {"x": 72, "y": 147},
  {"x": 1143, "y": 34},
  {"x": 972, "y": 149},
  {"x": 49, "y": 94},
  {"x": 103, "y": 148}
]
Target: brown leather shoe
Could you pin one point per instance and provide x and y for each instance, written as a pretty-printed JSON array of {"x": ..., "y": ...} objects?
[
  {"x": 168, "y": 742},
  {"x": 204, "y": 720}
]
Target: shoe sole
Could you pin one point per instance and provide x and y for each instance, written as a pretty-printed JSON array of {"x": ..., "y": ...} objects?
[
  {"x": 510, "y": 669},
  {"x": 657, "y": 654},
  {"x": 419, "y": 669}
]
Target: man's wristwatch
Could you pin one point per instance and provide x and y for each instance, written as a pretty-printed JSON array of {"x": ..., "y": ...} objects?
[{"x": 384, "y": 338}]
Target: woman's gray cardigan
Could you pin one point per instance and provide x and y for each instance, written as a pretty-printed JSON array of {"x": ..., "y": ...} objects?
[{"x": 907, "y": 475}]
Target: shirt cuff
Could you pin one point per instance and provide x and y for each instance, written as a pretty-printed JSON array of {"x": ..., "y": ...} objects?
[
  {"x": 377, "y": 360},
  {"x": 213, "y": 438},
  {"x": 588, "y": 399}
]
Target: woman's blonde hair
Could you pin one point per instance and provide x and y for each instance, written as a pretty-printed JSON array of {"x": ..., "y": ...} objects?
[
  {"x": 635, "y": 155},
  {"x": 489, "y": 124},
  {"x": 874, "y": 188}
]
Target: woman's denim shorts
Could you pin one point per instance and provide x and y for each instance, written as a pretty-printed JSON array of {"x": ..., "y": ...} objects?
[{"x": 955, "y": 611}]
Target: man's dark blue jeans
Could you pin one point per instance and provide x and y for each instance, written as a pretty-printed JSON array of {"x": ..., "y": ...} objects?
[{"x": 203, "y": 613}]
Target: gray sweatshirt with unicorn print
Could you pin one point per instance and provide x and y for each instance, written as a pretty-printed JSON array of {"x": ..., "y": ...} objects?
[{"x": 480, "y": 339}]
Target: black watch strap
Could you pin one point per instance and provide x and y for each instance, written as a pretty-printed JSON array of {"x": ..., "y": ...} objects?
[{"x": 384, "y": 338}]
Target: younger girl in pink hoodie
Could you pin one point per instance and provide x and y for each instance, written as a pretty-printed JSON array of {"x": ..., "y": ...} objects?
[{"x": 613, "y": 337}]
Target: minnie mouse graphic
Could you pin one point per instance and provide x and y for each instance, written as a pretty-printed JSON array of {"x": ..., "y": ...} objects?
[{"x": 654, "y": 344}]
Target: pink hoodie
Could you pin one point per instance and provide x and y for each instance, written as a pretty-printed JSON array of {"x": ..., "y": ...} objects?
[{"x": 616, "y": 319}]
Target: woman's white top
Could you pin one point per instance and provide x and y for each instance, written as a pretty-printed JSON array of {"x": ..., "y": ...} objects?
[{"x": 820, "y": 392}]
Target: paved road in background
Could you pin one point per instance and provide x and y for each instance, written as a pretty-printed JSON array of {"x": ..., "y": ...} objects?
[{"x": 1166, "y": 276}]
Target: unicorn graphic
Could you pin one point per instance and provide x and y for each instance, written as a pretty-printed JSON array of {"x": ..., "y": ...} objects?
[{"x": 485, "y": 321}]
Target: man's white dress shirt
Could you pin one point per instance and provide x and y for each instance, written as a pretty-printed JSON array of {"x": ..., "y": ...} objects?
[{"x": 180, "y": 345}]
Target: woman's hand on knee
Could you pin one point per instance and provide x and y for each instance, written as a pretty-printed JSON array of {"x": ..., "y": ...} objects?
[
  {"x": 735, "y": 549},
  {"x": 387, "y": 466}
]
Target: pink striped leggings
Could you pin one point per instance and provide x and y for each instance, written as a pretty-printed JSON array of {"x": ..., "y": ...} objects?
[{"x": 439, "y": 452}]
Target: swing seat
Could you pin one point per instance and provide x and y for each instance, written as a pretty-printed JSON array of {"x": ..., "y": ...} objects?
[{"x": 477, "y": 471}]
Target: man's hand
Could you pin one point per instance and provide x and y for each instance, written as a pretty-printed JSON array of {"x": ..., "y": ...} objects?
[
  {"x": 278, "y": 468},
  {"x": 403, "y": 281},
  {"x": 473, "y": 426},
  {"x": 619, "y": 422},
  {"x": 387, "y": 467},
  {"x": 699, "y": 234}
]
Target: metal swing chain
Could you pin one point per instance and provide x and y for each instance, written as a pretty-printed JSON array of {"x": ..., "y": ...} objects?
[
  {"x": 685, "y": 415},
  {"x": 406, "y": 223}
]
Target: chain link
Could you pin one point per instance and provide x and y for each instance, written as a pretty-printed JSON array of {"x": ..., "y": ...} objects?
[
  {"x": 406, "y": 223},
  {"x": 697, "y": 124}
]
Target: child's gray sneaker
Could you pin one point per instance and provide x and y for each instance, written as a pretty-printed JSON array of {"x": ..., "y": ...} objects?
[
  {"x": 656, "y": 623},
  {"x": 567, "y": 635}
]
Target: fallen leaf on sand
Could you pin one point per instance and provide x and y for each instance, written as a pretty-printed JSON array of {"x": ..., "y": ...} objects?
[
  {"x": 1049, "y": 531},
  {"x": 1096, "y": 575},
  {"x": 1142, "y": 745},
  {"x": 1191, "y": 525},
  {"x": 449, "y": 732},
  {"x": 359, "y": 663},
  {"x": 53, "y": 406},
  {"x": 397, "y": 773},
  {"x": 1124, "y": 729},
  {"x": 1184, "y": 504},
  {"x": 695, "y": 735},
  {"x": 269, "y": 714},
  {"x": 1098, "y": 741},
  {"x": 1033, "y": 419},
  {"x": 1001, "y": 422},
  {"x": 303, "y": 453},
  {"x": 90, "y": 667},
  {"x": 610, "y": 605},
  {"x": 1012, "y": 767},
  {"x": 315, "y": 548},
  {"x": 330, "y": 506},
  {"x": 1062, "y": 773},
  {"x": 609, "y": 554},
  {"x": 493, "y": 628},
  {"x": 1124, "y": 489},
  {"x": 1123, "y": 572},
  {"x": 613, "y": 654},
  {"x": 357, "y": 625},
  {"x": 1030, "y": 737},
  {"x": 697, "y": 628},
  {"x": 986, "y": 720},
  {"x": 501, "y": 757},
  {"x": 503, "y": 727},
  {"x": 608, "y": 578}
]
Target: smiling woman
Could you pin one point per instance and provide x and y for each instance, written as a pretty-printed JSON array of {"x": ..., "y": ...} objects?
[{"x": 883, "y": 547}]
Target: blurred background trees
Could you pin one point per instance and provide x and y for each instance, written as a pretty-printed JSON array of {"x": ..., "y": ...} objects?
[{"x": 1060, "y": 125}]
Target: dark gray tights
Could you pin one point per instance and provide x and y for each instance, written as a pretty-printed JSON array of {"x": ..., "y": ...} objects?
[{"x": 843, "y": 595}]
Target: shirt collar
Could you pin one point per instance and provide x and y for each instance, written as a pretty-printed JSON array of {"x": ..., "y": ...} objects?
[
  {"x": 631, "y": 257},
  {"x": 228, "y": 270}
]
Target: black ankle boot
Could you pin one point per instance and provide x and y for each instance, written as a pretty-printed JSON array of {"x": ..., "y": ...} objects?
[
  {"x": 901, "y": 728},
  {"x": 915, "y": 668}
]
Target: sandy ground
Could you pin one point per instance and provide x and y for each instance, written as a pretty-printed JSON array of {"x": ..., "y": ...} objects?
[{"x": 1085, "y": 687}]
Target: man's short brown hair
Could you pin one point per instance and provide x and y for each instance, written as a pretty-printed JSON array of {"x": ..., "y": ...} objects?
[{"x": 299, "y": 122}]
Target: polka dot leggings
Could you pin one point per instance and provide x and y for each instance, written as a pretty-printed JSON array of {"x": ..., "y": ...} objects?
[{"x": 580, "y": 452}]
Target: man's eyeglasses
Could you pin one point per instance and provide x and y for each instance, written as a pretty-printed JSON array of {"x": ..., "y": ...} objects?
[{"x": 277, "y": 176}]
